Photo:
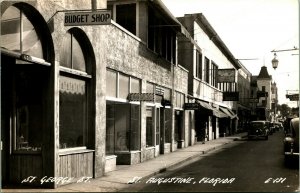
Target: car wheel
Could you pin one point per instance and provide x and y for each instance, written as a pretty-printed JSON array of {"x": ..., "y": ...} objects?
[{"x": 266, "y": 137}]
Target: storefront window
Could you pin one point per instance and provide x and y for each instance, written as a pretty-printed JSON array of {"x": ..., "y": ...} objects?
[
  {"x": 72, "y": 112},
  {"x": 149, "y": 127},
  {"x": 122, "y": 127},
  {"x": 110, "y": 128},
  {"x": 73, "y": 96},
  {"x": 157, "y": 127},
  {"x": 29, "y": 111},
  {"x": 178, "y": 125},
  {"x": 168, "y": 125},
  {"x": 18, "y": 34}
]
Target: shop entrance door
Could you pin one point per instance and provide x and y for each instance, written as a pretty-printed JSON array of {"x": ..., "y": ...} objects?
[
  {"x": 158, "y": 138},
  {"x": 23, "y": 108}
]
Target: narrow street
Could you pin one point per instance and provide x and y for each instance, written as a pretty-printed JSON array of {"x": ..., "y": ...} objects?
[{"x": 248, "y": 166}]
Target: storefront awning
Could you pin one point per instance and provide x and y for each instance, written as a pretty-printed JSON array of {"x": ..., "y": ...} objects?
[
  {"x": 215, "y": 111},
  {"x": 219, "y": 113},
  {"x": 228, "y": 112},
  {"x": 205, "y": 105}
]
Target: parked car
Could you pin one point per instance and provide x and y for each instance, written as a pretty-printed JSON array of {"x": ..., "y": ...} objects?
[
  {"x": 291, "y": 141},
  {"x": 258, "y": 129}
]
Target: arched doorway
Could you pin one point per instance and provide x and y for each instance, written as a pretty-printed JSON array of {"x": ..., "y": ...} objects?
[{"x": 27, "y": 56}]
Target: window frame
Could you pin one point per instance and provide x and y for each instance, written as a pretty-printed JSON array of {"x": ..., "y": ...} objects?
[{"x": 85, "y": 76}]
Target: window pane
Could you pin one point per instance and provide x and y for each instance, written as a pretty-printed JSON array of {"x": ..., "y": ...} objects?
[
  {"x": 181, "y": 100},
  {"x": 167, "y": 94},
  {"x": 135, "y": 85},
  {"x": 157, "y": 127},
  {"x": 168, "y": 125},
  {"x": 149, "y": 88},
  {"x": 111, "y": 86},
  {"x": 10, "y": 29},
  {"x": 65, "y": 54},
  {"x": 110, "y": 128},
  {"x": 123, "y": 86},
  {"x": 135, "y": 135},
  {"x": 122, "y": 124},
  {"x": 29, "y": 111},
  {"x": 31, "y": 42},
  {"x": 77, "y": 56},
  {"x": 149, "y": 126},
  {"x": 72, "y": 112},
  {"x": 126, "y": 16},
  {"x": 10, "y": 33}
]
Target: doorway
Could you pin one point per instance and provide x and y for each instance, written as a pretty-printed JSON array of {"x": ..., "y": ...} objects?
[{"x": 24, "y": 116}]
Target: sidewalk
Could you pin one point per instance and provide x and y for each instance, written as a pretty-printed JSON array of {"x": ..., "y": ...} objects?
[{"x": 119, "y": 179}]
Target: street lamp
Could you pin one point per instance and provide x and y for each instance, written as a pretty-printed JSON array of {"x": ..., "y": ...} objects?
[{"x": 275, "y": 61}]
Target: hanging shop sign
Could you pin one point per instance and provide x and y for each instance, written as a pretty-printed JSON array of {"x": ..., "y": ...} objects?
[
  {"x": 191, "y": 106},
  {"x": 293, "y": 97},
  {"x": 226, "y": 75},
  {"x": 88, "y": 18},
  {"x": 141, "y": 97},
  {"x": 230, "y": 96}
]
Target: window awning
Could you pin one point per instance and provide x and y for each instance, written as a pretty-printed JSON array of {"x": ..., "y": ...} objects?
[
  {"x": 228, "y": 112},
  {"x": 215, "y": 111},
  {"x": 219, "y": 113},
  {"x": 205, "y": 105}
]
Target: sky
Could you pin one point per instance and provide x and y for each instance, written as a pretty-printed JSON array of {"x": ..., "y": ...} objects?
[{"x": 251, "y": 29}]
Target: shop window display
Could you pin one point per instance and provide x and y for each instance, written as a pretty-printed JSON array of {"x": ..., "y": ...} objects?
[
  {"x": 73, "y": 95},
  {"x": 149, "y": 127},
  {"x": 122, "y": 127},
  {"x": 29, "y": 111}
]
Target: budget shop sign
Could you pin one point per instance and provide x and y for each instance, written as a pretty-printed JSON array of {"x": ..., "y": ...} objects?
[{"x": 88, "y": 18}]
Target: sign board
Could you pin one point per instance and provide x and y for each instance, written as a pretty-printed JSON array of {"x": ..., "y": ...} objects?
[
  {"x": 88, "y": 18},
  {"x": 191, "y": 106},
  {"x": 141, "y": 97},
  {"x": 293, "y": 97},
  {"x": 230, "y": 96},
  {"x": 226, "y": 75}
]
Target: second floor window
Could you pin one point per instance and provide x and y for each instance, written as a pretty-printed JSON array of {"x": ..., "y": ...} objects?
[{"x": 126, "y": 16}]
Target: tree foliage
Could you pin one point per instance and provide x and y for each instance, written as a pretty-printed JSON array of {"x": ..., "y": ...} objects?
[{"x": 284, "y": 109}]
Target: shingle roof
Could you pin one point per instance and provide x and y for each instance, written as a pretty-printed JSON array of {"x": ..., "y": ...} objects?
[{"x": 263, "y": 73}]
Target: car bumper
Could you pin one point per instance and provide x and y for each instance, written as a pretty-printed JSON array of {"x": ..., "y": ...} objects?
[{"x": 292, "y": 153}]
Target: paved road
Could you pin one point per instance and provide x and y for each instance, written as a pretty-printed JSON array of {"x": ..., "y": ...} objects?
[{"x": 244, "y": 166}]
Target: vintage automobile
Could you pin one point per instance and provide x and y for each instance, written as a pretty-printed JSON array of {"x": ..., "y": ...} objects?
[
  {"x": 258, "y": 129},
  {"x": 291, "y": 141}
]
